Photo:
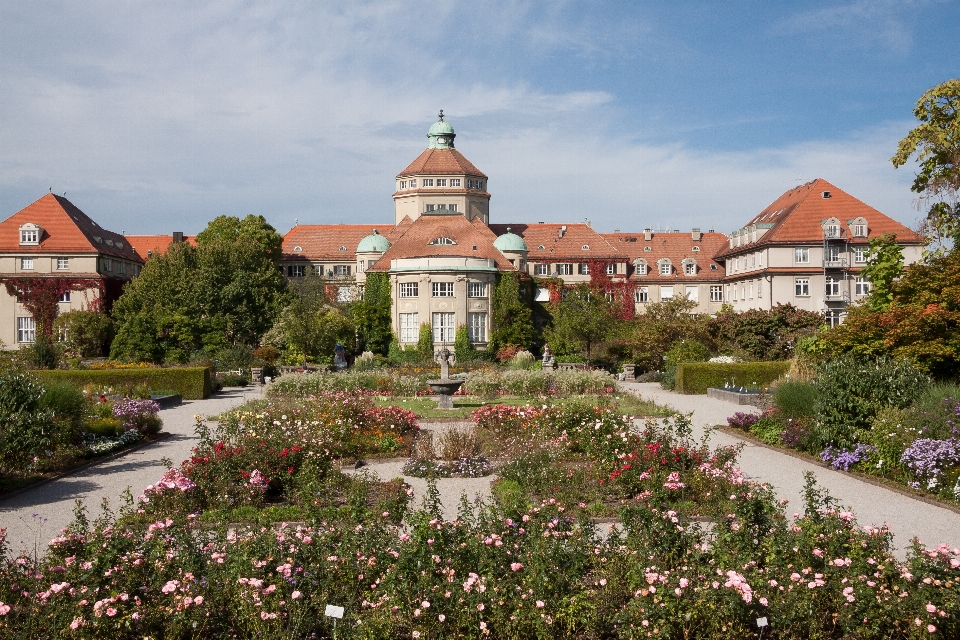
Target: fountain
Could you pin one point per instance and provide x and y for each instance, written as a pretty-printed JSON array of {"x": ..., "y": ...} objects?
[{"x": 445, "y": 387}]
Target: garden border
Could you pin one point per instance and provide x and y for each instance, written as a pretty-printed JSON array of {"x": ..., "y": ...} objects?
[
  {"x": 878, "y": 482},
  {"x": 163, "y": 435}
]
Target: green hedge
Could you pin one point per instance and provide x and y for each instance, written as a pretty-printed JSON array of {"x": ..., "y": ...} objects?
[
  {"x": 696, "y": 377},
  {"x": 193, "y": 383}
]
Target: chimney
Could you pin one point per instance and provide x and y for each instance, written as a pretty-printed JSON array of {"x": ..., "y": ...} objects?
[
  {"x": 563, "y": 230},
  {"x": 695, "y": 234},
  {"x": 648, "y": 234},
  {"x": 177, "y": 236}
]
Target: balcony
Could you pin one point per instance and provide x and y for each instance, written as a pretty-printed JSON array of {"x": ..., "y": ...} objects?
[{"x": 836, "y": 262}]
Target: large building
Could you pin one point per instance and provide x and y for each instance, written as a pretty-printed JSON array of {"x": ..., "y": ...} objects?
[
  {"x": 442, "y": 253},
  {"x": 53, "y": 242}
]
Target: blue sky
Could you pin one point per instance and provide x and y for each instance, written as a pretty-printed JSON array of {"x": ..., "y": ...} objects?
[{"x": 156, "y": 117}]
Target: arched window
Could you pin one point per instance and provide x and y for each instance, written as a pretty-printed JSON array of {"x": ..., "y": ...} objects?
[{"x": 442, "y": 241}]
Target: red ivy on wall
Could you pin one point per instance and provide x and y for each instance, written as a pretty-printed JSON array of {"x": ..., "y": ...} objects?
[{"x": 41, "y": 296}]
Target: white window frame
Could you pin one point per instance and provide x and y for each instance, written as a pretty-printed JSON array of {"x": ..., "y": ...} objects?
[
  {"x": 541, "y": 269},
  {"x": 63, "y": 264},
  {"x": 428, "y": 182},
  {"x": 29, "y": 237},
  {"x": 860, "y": 231},
  {"x": 296, "y": 270},
  {"x": 477, "y": 326},
  {"x": 641, "y": 269},
  {"x": 564, "y": 268},
  {"x": 454, "y": 182},
  {"x": 862, "y": 286},
  {"x": 477, "y": 290},
  {"x": 479, "y": 184},
  {"x": 611, "y": 269},
  {"x": 666, "y": 292},
  {"x": 413, "y": 184},
  {"x": 64, "y": 297},
  {"x": 441, "y": 289},
  {"x": 831, "y": 230},
  {"x": 801, "y": 255},
  {"x": 665, "y": 268},
  {"x": 801, "y": 287},
  {"x": 694, "y": 290},
  {"x": 831, "y": 287},
  {"x": 409, "y": 327},
  {"x": 26, "y": 264},
  {"x": 341, "y": 270},
  {"x": 716, "y": 293},
  {"x": 409, "y": 289},
  {"x": 444, "y": 326},
  {"x": 26, "y": 329},
  {"x": 583, "y": 268},
  {"x": 641, "y": 294},
  {"x": 441, "y": 182},
  {"x": 690, "y": 269},
  {"x": 860, "y": 254}
]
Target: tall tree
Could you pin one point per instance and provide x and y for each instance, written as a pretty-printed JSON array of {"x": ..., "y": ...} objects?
[
  {"x": 936, "y": 144},
  {"x": 662, "y": 324},
  {"x": 582, "y": 319},
  {"x": 512, "y": 318},
  {"x": 372, "y": 314},
  {"x": 228, "y": 290},
  {"x": 884, "y": 266}
]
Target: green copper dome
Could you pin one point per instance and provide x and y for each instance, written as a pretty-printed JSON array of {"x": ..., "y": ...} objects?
[
  {"x": 441, "y": 134},
  {"x": 373, "y": 243},
  {"x": 510, "y": 242}
]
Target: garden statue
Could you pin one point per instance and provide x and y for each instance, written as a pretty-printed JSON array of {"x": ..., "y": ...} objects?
[
  {"x": 445, "y": 387},
  {"x": 549, "y": 362},
  {"x": 339, "y": 357}
]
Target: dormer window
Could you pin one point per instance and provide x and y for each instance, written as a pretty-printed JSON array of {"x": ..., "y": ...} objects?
[
  {"x": 342, "y": 249},
  {"x": 666, "y": 267},
  {"x": 858, "y": 227},
  {"x": 585, "y": 247},
  {"x": 298, "y": 249},
  {"x": 442, "y": 241},
  {"x": 695, "y": 248},
  {"x": 689, "y": 267},
  {"x": 641, "y": 266},
  {"x": 30, "y": 234}
]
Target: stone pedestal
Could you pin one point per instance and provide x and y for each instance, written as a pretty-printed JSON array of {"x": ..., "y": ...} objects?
[{"x": 629, "y": 372}]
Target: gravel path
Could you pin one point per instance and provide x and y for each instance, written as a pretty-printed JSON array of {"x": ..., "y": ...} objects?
[
  {"x": 34, "y": 517},
  {"x": 874, "y": 505}
]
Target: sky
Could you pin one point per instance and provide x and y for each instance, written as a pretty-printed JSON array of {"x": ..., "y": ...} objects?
[{"x": 155, "y": 117}]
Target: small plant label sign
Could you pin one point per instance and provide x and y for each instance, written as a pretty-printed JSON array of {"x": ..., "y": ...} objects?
[
  {"x": 333, "y": 611},
  {"x": 761, "y": 622}
]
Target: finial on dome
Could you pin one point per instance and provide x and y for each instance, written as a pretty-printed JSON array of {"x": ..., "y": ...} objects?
[
  {"x": 375, "y": 232},
  {"x": 508, "y": 229},
  {"x": 441, "y": 115}
]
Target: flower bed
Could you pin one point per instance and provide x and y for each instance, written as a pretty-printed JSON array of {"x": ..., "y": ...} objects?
[{"x": 530, "y": 567}]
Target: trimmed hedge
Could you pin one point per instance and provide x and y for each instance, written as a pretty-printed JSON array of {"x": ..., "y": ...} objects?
[
  {"x": 697, "y": 377},
  {"x": 193, "y": 383}
]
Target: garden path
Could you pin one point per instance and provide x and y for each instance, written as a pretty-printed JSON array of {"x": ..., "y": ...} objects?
[
  {"x": 34, "y": 517},
  {"x": 873, "y": 505}
]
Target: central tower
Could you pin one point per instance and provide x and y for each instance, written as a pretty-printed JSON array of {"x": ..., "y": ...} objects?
[{"x": 441, "y": 179}]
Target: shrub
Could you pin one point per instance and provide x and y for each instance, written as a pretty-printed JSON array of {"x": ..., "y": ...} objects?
[
  {"x": 795, "y": 399},
  {"x": 231, "y": 379},
  {"x": 24, "y": 429},
  {"x": 697, "y": 377},
  {"x": 140, "y": 415},
  {"x": 741, "y": 420},
  {"x": 462, "y": 345},
  {"x": 425, "y": 343},
  {"x": 522, "y": 360},
  {"x": 681, "y": 351},
  {"x": 851, "y": 389},
  {"x": 193, "y": 383},
  {"x": 237, "y": 357},
  {"x": 768, "y": 429},
  {"x": 459, "y": 444},
  {"x": 105, "y": 427},
  {"x": 88, "y": 333},
  {"x": 63, "y": 401},
  {"x": 507, "y": 352},
  {"x": 379, "y": 381}
]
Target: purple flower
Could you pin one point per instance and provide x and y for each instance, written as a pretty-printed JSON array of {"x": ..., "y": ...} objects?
[
  {"x": 927, "y": 457},
  {"x": 843, "y": 459},
  {"x": 742, "y": 420}
]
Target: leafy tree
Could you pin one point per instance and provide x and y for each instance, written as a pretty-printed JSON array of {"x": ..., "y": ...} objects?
[
  {"x": 663, "y": 324},
  {"x": 762, "y": 334},
  {"x": 884, "y": 266},
  {"x": 226, "y": 291},
  {"x": 582, "y": 319},
  {"x": 921, "y": 324},
  {"x": 936, "y": 144},
  {"x": 86, "y": 334},
  {"x": 512, "y": 318},
  {"x": 682, "y": 351},
  {"x": 313, "y": 324},
  {"x": 24, "y": 425},
  {"x": 372, "y": 314}
]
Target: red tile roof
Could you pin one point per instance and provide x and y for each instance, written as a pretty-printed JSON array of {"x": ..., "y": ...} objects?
[
  {"x": 441, "y": 162},
  {"x": 415, "y": 241},
  {"x": 796, "y": 216},
  {"x": 569, "y": 246},
  {"x": 146, "y": 245},
  {"x": 323, "y": 241},
  {"x": 675, "y": 246},
  {"x": 65, "y": 228}
]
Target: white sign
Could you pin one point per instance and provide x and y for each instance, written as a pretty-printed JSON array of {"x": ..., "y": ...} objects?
[
  {"x": 333, "y": 611},
  {"x": 761, "y": 622}
]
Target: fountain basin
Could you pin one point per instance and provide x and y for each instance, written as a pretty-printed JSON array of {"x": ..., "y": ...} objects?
[{"x": 445, "y": 390}]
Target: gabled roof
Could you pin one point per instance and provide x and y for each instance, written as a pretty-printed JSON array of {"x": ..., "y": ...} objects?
[
  {"x": 323, "y": 241},
  {"x": 416, "y": 241},
  {"x": 441, "y": 162},
  {"x": 796, "y": 216},
  {"x": 569, "y": 246},
  {"x": 676, "y": 247},
  {"x": 66, "y": 229},
  {"x": 157, "y": 245}
]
